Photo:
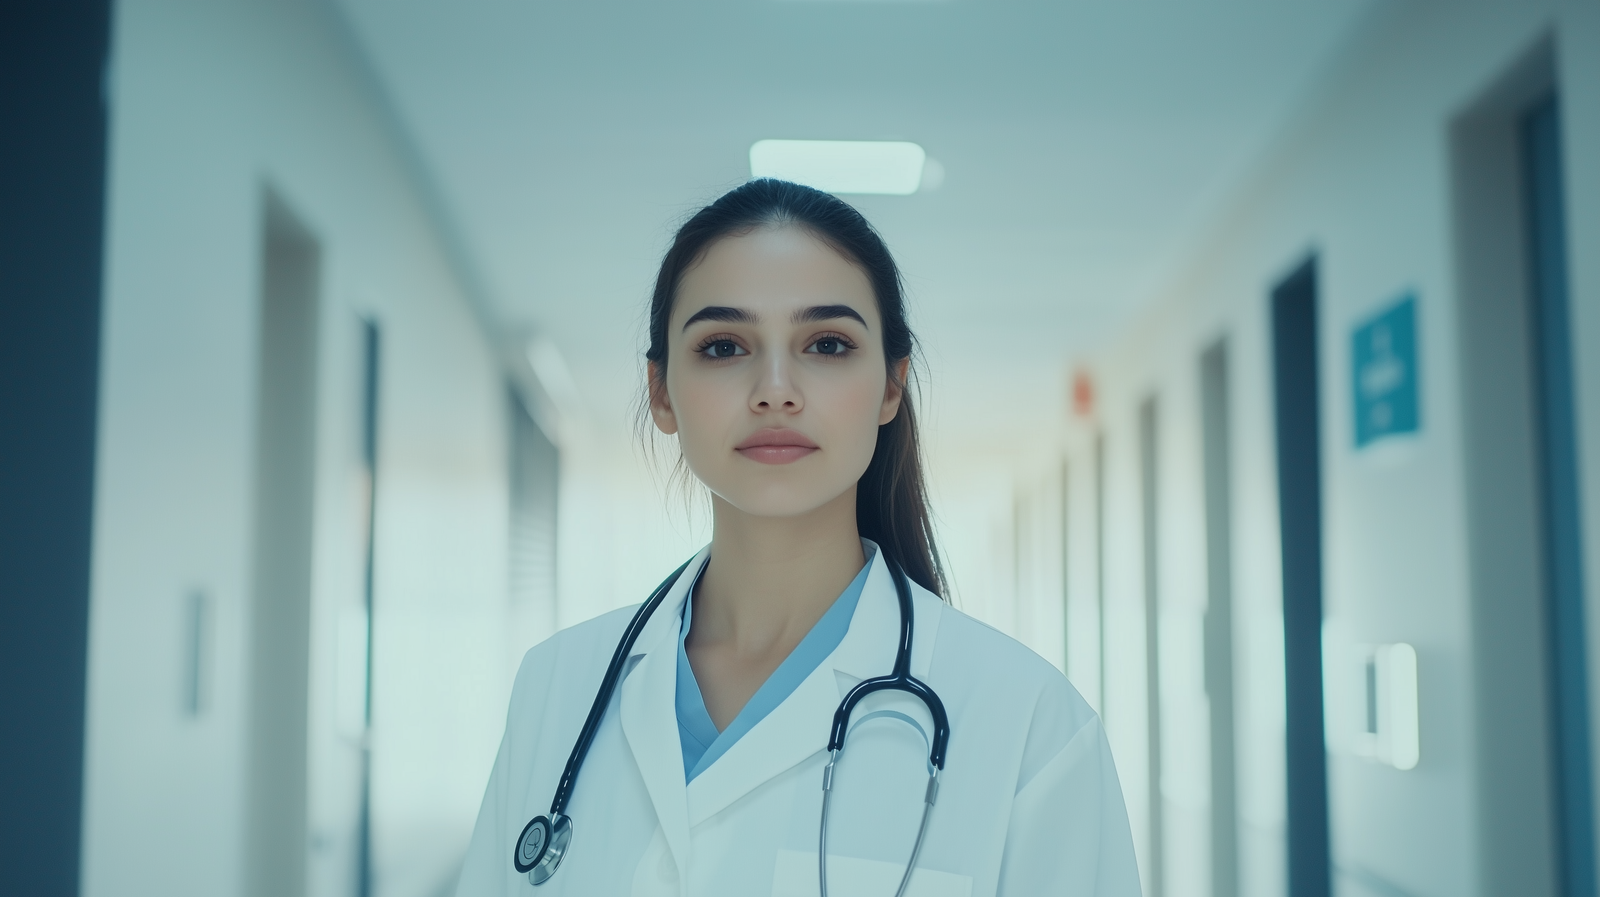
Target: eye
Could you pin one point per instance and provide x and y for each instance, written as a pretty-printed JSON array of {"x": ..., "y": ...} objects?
[
  {"x": 722, "y": 348},
  {"x": 831, "y": 345}
]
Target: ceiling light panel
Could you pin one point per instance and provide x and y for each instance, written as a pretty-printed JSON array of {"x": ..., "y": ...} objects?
[{"x": 842, "y": 166}]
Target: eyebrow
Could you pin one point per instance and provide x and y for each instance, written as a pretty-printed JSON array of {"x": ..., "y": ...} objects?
[
  {"x": 827, "y": 313},
  {"x": 729, "y": 314},
  {"x": 723, "y": 313}
]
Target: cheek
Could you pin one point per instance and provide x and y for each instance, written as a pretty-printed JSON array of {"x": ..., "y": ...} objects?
[
  {"x": 705, "y": 407},
  {"x": 851, "y": 408}
]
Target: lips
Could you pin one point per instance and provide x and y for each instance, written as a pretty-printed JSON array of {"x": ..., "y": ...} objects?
[{"x": 776, "y": 445}]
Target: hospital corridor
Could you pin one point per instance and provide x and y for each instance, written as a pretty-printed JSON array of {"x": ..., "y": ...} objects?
[{"x": 1257, "y": 366}]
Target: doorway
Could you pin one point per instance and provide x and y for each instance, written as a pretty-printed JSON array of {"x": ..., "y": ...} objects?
[
  {"x": 280, "y": 608},
  {"x": 1299, "y": 447},
  {"x": 535, "y": 488},
  {"x": 1150, "y": 507},
  {"x": 1216, "y": 471},
  {"x": 1556, "y": 436},
  {"x": 1524, "y": 529},
  {"x": 371, "y": 344}
]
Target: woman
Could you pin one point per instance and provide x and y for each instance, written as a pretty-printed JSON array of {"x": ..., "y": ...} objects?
[{"x": 779, "y": 356}]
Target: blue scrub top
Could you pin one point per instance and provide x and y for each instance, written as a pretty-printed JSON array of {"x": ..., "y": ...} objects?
[{"x": 702, "y": 743}]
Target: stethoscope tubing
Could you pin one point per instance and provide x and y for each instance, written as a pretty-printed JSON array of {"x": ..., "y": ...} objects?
[
  {"x": 591, "y": 724},
  {"x": 899, "y": 680},
  {"x": 928, "y": 799},
  {"x": 557, "y": 827}
]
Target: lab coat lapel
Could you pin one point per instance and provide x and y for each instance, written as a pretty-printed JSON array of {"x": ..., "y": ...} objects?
[
  {"x": 798, "y": 728},
  {"x": 649, "y": 713},
  {"x": 868, "y": 650}
]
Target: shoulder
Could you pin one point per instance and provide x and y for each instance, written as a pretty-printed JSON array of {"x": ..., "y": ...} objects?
[
  {"x": 967, "y": 642},
  {"x": 584, "y": 637},
  {"x": 578, "y": 652},
  {"x": 991, "y": 676}
]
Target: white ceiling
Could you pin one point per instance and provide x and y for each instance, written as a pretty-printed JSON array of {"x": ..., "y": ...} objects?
[{"x": 1081, "y": 140}]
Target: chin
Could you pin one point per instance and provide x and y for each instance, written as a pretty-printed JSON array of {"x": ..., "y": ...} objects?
[{"x": 779, "y": 500}]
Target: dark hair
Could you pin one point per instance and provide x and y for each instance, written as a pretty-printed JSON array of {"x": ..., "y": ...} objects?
[{"x": 891, "y": 499}]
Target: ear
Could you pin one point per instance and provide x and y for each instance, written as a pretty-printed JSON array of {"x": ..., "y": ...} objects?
[
  {"x": 660, "y": 405},
  {"x": 893, "y": 391}
]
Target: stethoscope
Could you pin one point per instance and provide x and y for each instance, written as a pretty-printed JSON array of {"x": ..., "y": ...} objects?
[{"x": 544, "y": 841}]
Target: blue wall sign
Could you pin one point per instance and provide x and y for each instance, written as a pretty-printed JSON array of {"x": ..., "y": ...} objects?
[{"x": 1383, "y": 365}]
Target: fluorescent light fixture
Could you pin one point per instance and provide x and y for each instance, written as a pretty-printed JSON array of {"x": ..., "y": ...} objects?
[{"x": 842, "y": 166}]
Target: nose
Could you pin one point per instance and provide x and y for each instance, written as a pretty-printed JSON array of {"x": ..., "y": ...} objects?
[{"x": 776, "y": 390}]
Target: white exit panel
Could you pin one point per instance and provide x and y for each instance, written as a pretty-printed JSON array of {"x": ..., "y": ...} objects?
[
  {"x": 1370, "y": 697},
  {"x": 1389, "y": 727}
]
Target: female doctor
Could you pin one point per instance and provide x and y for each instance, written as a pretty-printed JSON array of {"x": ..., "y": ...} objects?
[{"x": 719, "y": 740}]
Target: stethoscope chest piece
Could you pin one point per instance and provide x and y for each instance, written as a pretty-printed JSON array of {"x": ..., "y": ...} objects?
[{"x": 542, "y": 845}]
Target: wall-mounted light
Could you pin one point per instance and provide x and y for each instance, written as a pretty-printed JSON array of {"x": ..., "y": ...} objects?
[
  {"x": 842, "y": 166},
  {"x": 197, "y": 647}
]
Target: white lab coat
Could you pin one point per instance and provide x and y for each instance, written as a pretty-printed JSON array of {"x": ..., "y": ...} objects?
[{"x": 1029, "y": 802}]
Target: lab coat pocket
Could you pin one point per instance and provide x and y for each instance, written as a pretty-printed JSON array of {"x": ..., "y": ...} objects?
[{"x": 795, "y": 875}]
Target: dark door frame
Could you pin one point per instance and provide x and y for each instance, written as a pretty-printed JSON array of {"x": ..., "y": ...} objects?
[
  {"x": 1299, "y": 442},
  {"x": 53, "y": 59}
]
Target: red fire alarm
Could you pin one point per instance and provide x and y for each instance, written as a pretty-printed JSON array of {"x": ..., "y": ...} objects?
[{"x": 1082, "y": 394}]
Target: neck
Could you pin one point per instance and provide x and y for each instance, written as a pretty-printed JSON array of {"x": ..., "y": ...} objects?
[{"x": 771, "y": 578}]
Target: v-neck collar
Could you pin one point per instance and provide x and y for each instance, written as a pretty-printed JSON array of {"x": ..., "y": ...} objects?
[
  {"x": 698, "y": 736},
  {"x": 792, "y": 733}
]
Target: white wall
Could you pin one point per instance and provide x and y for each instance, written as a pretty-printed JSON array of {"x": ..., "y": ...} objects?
[
  {"x": 210, "y": 102},
  {"x": 1361, "y": 178}
]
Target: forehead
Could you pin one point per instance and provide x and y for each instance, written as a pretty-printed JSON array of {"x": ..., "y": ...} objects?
[{"x": 774, "y": 269}]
